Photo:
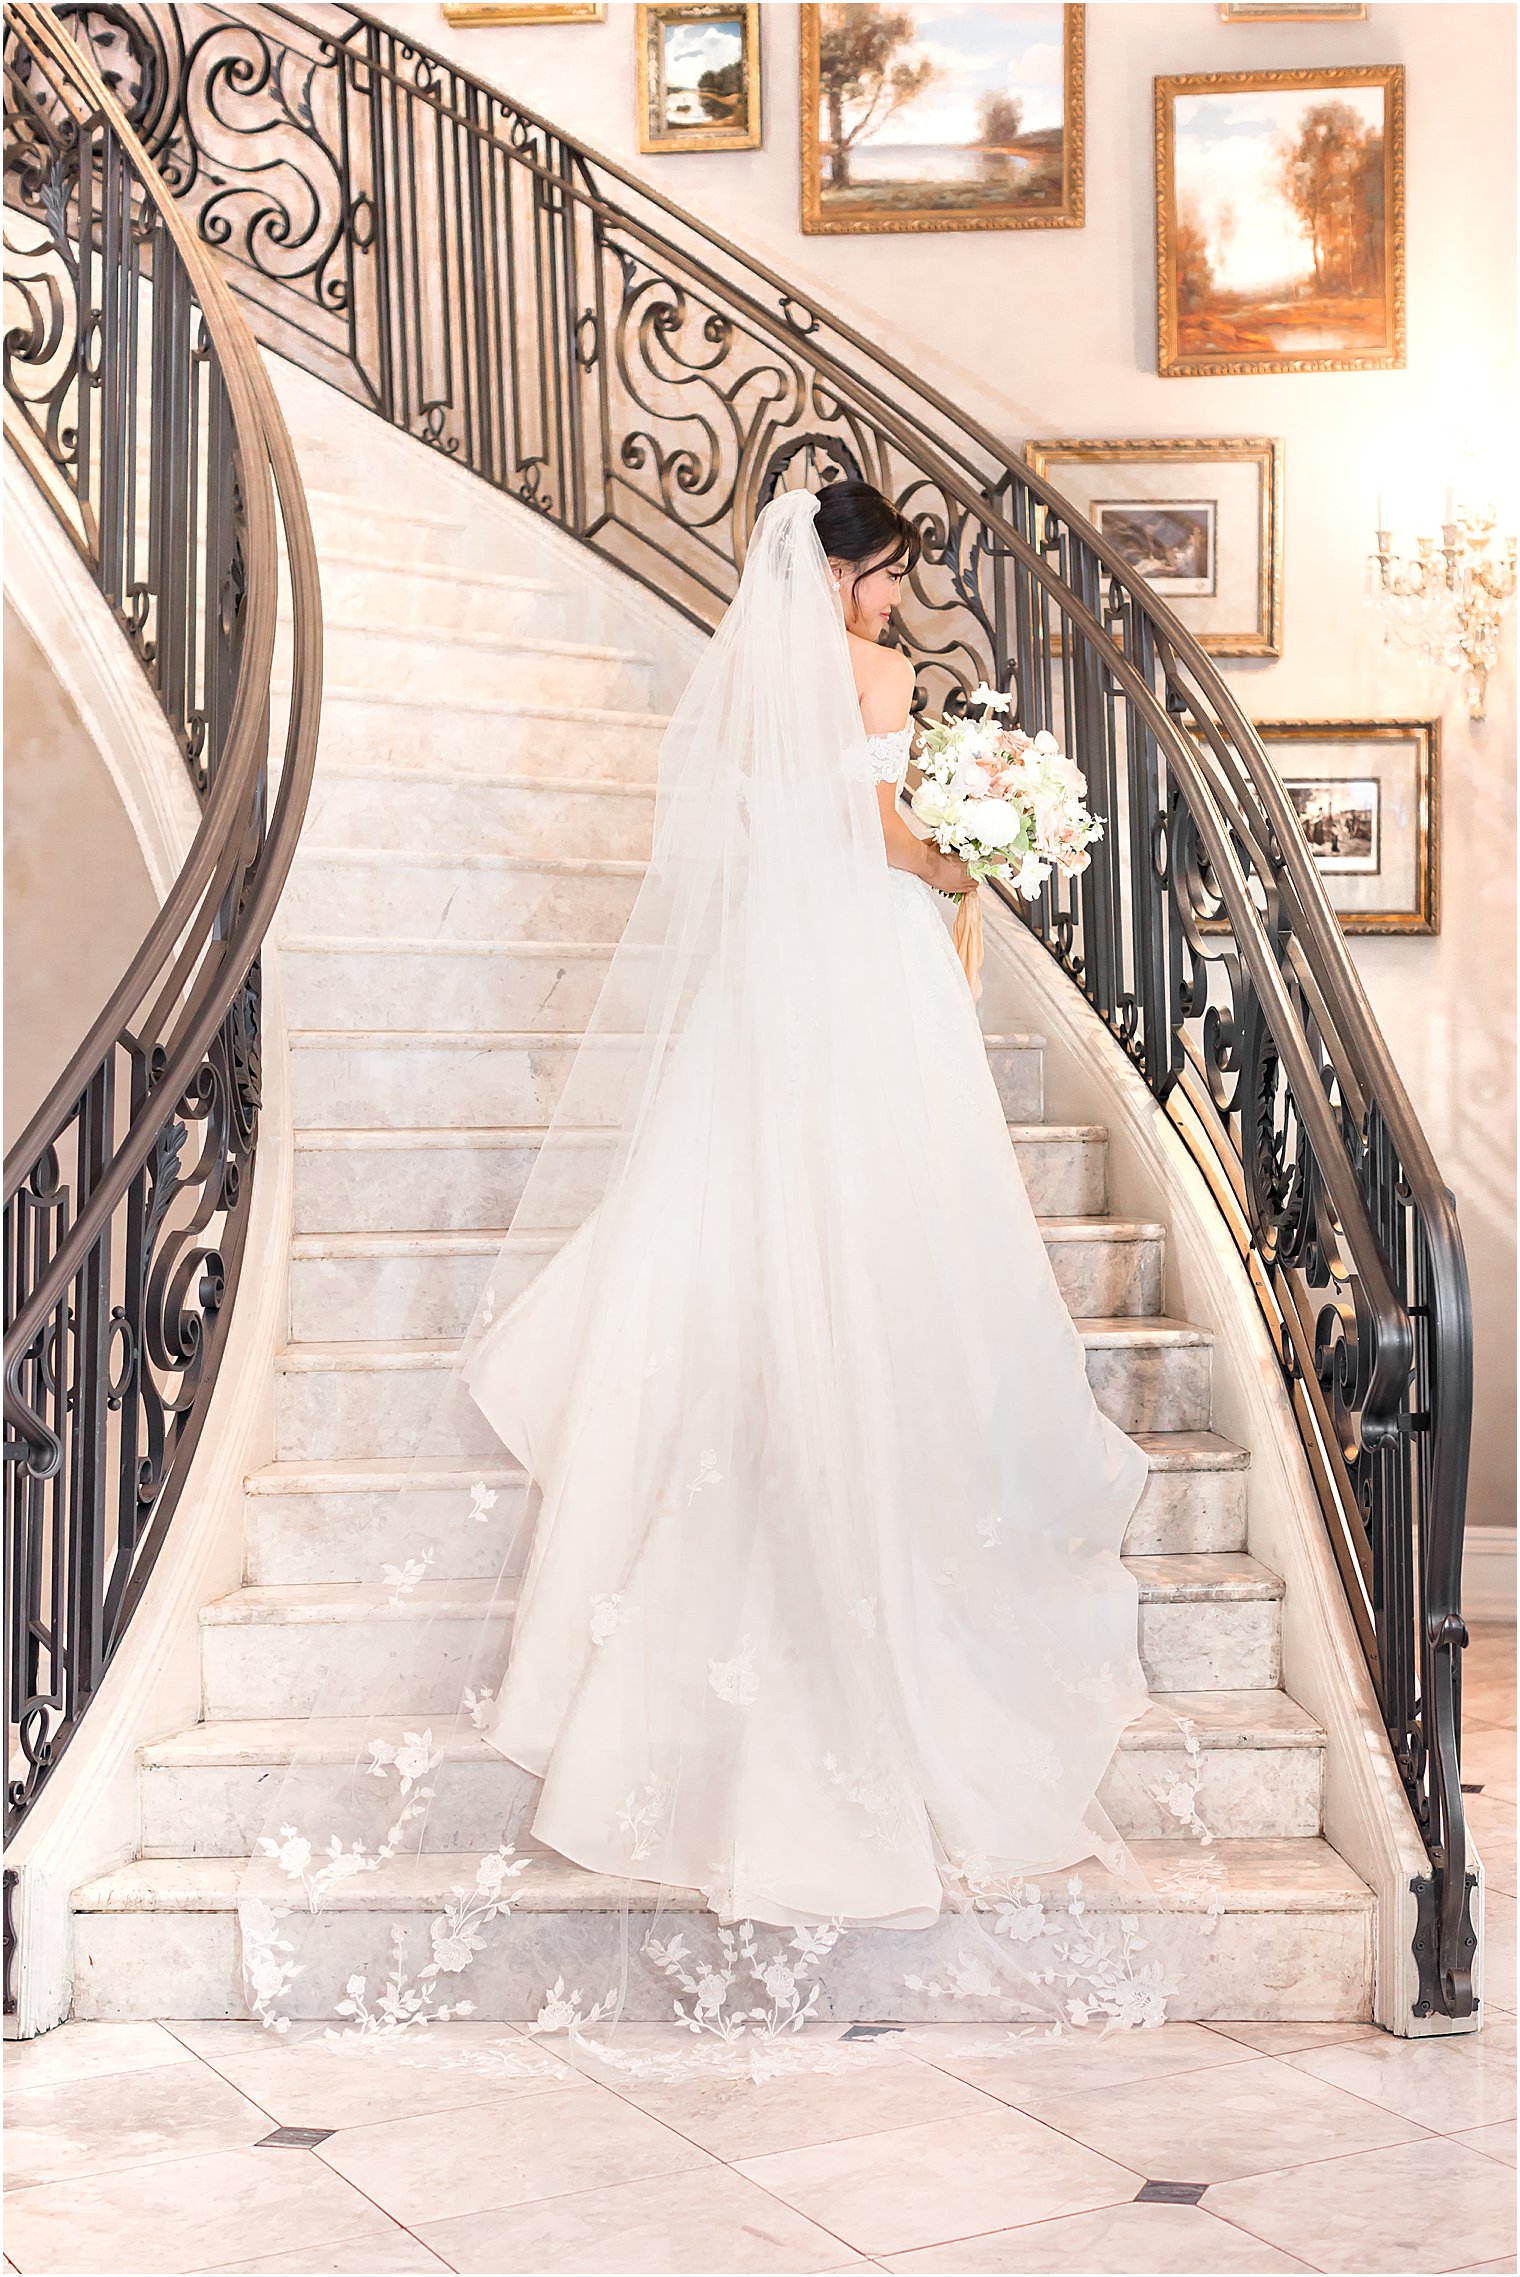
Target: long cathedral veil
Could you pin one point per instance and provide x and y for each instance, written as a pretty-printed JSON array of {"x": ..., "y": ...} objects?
[{"x": 740, "y": 1345}]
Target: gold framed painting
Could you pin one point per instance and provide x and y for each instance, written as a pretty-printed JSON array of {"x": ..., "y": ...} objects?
[
  {"x": 966, "y": 116},
  {"x": 1280, "y": 221},
  {"x": 1201, "y": 521},
  {"x": 1293, "y": 11},
  {"x": 1367, "y": 793},
  {"x": 699, "y": 76},
  {"x": 483, "y": 12}
]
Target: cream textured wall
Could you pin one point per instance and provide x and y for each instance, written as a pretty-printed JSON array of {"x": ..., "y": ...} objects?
[
  {"x": 1050, "y": 332},
  {"x": 78, "y": 898}
]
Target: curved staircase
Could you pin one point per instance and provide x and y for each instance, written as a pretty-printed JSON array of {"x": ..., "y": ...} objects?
[{"x": 476, "y": 832}]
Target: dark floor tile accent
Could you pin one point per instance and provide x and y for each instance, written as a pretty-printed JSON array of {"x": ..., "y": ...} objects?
[
  {"x": 1169, "y": 2193},
  {"x": 871, "y": 2031},
  {"x": 293, "y": 2138}
]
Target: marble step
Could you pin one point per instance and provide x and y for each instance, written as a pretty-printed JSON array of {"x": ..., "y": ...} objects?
[
  {"x": 399, "y": 1285},
  {"x": 379, "y": 802},
  {"x": 478, "y": 666},
  {"x": 1207, "y": 1624},
  {"x": 368, "y": 1398},
  {"x": 457, "y": 895},
  {"x": 390, "y": 1078},
  {"x": 209, "y": 1792},
  {"x": 347, "y": 521},
  {"x": 357, "y": 587},
  {"x": 481, "y": 666},
  {"x": 369, "y": 1181},
  {"x": 449, "y": 985},
  {"x": 343, "y": 1521},
  {"x": 1269, "y": 1930},
  {"x": 452, "y": 738},
  {"x": 281, "y": 1650}
]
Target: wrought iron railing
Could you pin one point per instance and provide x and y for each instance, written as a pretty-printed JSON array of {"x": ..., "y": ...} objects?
[
  {"x": 536, "y": 314},
  {"x": 138, "y": 398}
]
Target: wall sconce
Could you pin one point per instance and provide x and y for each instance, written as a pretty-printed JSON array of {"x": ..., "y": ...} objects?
[{"x": 1448, "y": 600}]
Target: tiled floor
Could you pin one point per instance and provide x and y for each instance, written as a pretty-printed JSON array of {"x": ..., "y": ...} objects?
[{"x": 1333, "y": 2147}]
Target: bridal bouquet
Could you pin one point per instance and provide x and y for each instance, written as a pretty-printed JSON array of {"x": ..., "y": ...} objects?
[{"x": 1009, "y": 804}]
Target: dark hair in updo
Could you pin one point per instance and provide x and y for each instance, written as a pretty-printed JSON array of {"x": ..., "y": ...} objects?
[{"x": 858, "y": 524}]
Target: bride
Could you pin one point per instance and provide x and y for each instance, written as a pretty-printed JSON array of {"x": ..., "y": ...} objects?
[{"x": 823, "y": 1610}]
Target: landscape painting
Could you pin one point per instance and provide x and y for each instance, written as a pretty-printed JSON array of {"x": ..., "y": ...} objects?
[
  {"x": 941, "y": 117},
  {"x": 699, "y": 77},
  {"x": 1279, "y": 221}
]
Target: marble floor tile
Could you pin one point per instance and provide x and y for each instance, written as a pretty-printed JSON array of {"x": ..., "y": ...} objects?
[
  {"x": 925, "y": 2185},
  {"x": 1488, "y": 1757},
  {"x": 1497, "y": 2141},
  {"x": 697, "y": 2222},
  {"x": 188, "y": 2214},
  {"x": 1445, "y": 2085},
  {"x": 1418, "y": 2206},
  {"x": 1493, "y": 1828},
  {"x": 1493, "y": 1813},
  {"x": 1271, "y": 2039},
  {"x": 1487, "y": 1700},
  {"x": 124, "y": 2119},
  {"x": 744, "y": 2118},
  {"x": 1115, "y": 2239},
  {"x": 314, "y": 2086},
  {"x": 505, "y": 2152},
  {"x": 399, "y": 2255},
  {"x": 1503, "y": 2267},
  {"x": 87, "y": 2051},
  {"x": 1080, "y": 2062},
  {"x": 1246, "y": 2119},
  {"x": 1499, "y": 1953}
]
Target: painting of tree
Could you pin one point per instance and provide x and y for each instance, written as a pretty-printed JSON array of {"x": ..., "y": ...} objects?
[
  {"x": 864, "y": 76},
  {"x": 1279, "y": 212},
  {"x": 699, "y": 75},
  {"x": 955, "y": 115}
]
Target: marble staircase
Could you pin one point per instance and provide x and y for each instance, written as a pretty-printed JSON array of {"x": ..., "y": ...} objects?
[{"x": 482, "y": 809}]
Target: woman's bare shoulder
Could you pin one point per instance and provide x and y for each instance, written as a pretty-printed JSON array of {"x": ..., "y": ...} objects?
[{"x": 884, "y": 683}]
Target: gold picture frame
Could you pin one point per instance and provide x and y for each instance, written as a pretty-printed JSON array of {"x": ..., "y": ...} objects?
[
  {"x": 478, "y": 14},
  {"x": 658, "y": 98},
  {"x": 1208, "y": 520},
  {"x": 1293, "y": 11},
  {"x": 1033, "y": 180},
  {"x": 1404, "y": 815},
  {"x": 1345, "y": 311}
]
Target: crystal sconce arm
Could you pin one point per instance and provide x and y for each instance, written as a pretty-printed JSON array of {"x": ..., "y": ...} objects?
[{"x": 1448, "y": 599}]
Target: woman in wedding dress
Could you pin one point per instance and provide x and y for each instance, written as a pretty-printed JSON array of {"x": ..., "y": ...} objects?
[{"x": 823, "y": 1612}]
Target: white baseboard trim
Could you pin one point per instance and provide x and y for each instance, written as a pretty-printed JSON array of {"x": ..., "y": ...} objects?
[{"x": 1488, "y": 1573}]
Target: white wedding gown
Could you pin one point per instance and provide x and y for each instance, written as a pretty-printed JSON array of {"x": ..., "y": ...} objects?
[{"x": 871, "y": 1628}]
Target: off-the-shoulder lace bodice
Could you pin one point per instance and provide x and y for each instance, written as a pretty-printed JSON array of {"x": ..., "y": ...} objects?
[{"x": 888, "y": 754}]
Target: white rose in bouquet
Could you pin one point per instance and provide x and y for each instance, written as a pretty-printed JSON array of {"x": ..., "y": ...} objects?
[{"x": 936, "y": 806}]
